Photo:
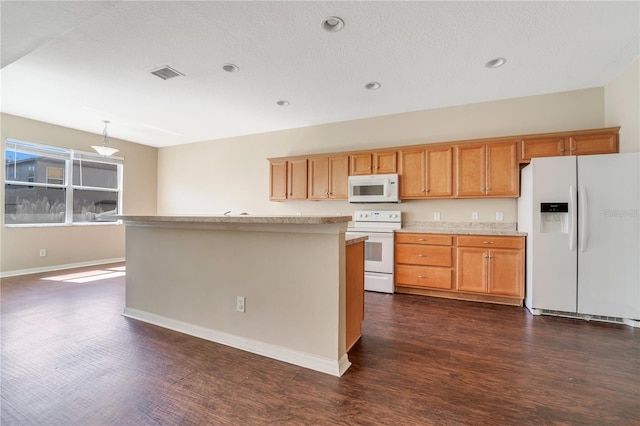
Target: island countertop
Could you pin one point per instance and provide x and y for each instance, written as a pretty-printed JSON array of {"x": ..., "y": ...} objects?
[{"x": 239, "y": 219}]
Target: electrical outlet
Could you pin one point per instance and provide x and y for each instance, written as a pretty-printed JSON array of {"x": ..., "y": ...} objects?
[
  {"x": 43, "y": 252},
  {"x": 499, "y": 216},
  {"x": 436, "y": 215},
  {"x": 240, "y": 303},
  {"x": 474, "y": 215}
]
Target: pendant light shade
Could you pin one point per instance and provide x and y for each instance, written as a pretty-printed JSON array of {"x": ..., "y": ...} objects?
[{"x": 103, "y": 149}]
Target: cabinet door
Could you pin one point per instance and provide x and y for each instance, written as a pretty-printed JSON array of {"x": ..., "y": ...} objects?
[
  {"x": 593, "y": 144},
  {"x": 439, "y": 172},
  {"x": 338, "y": 177},
  {"x": 318, "y": 178},
  {"x": 502, "y": 170},
  {"x": 360, "y": 164},
  {"x": 385, "y": 162},
  {"x": 412, "y": 173},
  {"x": 471, "y": 165},
  {"x": 297, "y": 179},
  {"x": 542, "y": 147},
  {"x": 506, "y": 272},
  {"x": 278, "y": 180},
  {"x": 472, "y": 269}
]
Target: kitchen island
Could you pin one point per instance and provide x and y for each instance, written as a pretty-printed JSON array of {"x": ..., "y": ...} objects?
[{"x": 190, "y": 273}]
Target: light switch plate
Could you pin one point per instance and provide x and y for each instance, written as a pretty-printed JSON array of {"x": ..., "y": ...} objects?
[{"x": 499, "y": 216}]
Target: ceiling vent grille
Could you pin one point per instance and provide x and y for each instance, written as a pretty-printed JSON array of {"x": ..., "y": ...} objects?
[{"x": 166, "y": 73}]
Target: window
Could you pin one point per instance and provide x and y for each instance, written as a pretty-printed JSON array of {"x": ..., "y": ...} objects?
[{"x": 50, "y": 185}]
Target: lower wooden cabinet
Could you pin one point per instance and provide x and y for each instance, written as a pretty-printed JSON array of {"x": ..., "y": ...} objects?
[
  {"x": 479, "y": 268},
  {"x": 354, "y": 292}
]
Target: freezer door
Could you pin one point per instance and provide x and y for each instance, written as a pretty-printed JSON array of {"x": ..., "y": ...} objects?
[
  {"x": 552, "y": 256},
  {"x": 609, "y": 224}
]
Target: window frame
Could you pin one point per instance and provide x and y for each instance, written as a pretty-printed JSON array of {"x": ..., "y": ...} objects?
[{"x": 69, "y": 156}]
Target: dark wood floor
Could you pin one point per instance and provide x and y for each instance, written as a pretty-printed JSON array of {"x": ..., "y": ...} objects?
[{"x": 70, "y": 358}]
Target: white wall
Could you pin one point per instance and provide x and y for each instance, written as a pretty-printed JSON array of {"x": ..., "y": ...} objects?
[
  {"x": 232, "y": 174},
  {"x": 78, "y": 244},
  {"x": 622, "y": 106}
]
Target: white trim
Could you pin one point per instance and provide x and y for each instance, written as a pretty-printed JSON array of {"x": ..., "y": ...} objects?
[
  {"x": 302, "y": 359},
  {"x": 52, "y": 268}
]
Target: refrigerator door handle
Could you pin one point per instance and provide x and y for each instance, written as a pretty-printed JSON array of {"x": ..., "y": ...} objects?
[
  {"x": 584, "y": 218},
  {"x": 572, "y": 218}
]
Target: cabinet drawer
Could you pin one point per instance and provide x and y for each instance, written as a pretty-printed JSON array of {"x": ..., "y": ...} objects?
[
  {"x": 416, "y": 254},
  {"x": 487, "y": 241},
  {"x": 423, "y": 276},
  {"x": 432, "y": 239}
]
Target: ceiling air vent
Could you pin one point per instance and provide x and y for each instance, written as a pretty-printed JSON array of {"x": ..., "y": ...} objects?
[{"x": 166, "y": 73}]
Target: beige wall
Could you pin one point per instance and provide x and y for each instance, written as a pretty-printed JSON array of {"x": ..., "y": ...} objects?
[
  {"x": 622, "y": 106},
  {"x": 233, "y": 174},
  {"x": 70, "y": 245}
]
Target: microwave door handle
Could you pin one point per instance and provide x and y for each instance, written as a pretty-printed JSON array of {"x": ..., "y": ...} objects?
[{"x": 387, "y": 188}]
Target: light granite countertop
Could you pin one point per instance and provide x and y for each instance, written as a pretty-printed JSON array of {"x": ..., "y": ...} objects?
[
  {"x": 350, "y": 239},
  {"x": 463, "y": 228},
  {"x": 239, "y": 219}
]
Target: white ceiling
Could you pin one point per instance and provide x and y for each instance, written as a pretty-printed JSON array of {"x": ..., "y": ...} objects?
[{"x": 77, "y": 63}]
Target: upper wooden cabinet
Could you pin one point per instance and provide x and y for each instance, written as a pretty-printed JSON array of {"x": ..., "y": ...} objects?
[
  {"x": 278, "y": 182},
  {"x": 297, "y": 179},
  {"x": 580, "y": 143},
  {"x": 465, "y": 169},
  {"x": 426, "y": 173},
  {"x": 487, "y": 170},
  {"x": 373, "y": 163},
  {"x": 328, "y": 178},
  {"x": 602, "y": 143},
  {"x": 288, "y": 180}
]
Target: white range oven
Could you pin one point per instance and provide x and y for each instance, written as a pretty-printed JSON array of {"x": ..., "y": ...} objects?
[{"x": 379, "y": 227}]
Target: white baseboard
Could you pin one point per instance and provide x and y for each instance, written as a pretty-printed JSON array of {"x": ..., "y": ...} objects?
[
  {"x": 301, "y": 359},
  {"x": 52, "y": 268}
]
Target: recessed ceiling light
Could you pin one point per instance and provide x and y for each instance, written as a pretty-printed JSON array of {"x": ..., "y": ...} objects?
[
  {"x": 230, "y": 68},
  {"x": 374, "y": 85},
  {"x": 283, "y": 103},
  {"x": 496, "y": 63},
  {"x": 333, "y": 24}
]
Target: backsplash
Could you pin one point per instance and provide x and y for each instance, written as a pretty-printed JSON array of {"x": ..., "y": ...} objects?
[{"x": 495, "y": 226}]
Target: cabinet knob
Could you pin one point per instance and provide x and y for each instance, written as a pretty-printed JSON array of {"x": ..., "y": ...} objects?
[{"x": 424, "y": 189}]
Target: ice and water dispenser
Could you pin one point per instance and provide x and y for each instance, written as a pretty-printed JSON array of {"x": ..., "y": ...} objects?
[{"x": 554, "y": 218}]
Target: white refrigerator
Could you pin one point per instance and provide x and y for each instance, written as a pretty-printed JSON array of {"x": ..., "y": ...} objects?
[{"x": 582, "y": 219}]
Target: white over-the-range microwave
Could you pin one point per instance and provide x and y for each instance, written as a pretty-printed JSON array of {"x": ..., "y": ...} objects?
[{"x": 374, "y": 189}]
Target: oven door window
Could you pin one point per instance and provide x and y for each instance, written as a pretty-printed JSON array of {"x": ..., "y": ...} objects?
[{"x": 373, "y": 251}]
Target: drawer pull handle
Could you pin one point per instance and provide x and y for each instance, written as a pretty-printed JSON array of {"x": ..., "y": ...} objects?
[
  {"x": 421, "y": 276},
  {"x": 487, "y": 242},
  {"x": 421, "y": 239},
  {"x": 422, "y": 255}
]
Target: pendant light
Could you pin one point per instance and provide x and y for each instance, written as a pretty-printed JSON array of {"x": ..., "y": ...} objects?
[{"x": 103, "y": 149}]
